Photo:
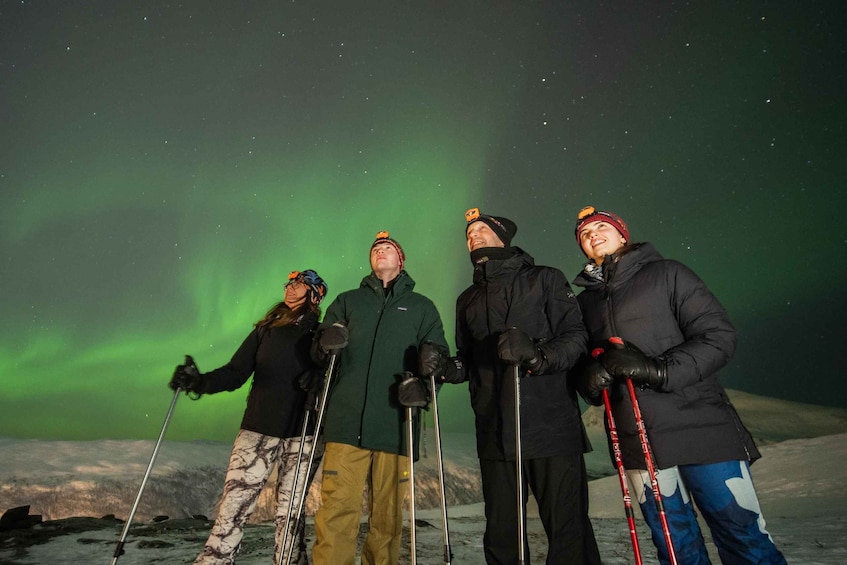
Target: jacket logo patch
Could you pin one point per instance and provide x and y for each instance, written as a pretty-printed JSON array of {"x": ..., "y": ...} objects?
[{"x": 402, "y": 308}]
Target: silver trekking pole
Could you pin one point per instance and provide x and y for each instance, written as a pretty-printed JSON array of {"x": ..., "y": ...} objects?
[
  {"x": 410, "y": 442},
  {"x": 330, "y": 369},
  {"x": 448, "y": 554},
  {"x": 294, "y": 487},
  {"x": 519, "y": 466},
  {"x": 119, "y": 548}
]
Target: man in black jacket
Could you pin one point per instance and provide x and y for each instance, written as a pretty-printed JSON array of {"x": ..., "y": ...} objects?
[{"x": 519, "y": 313}]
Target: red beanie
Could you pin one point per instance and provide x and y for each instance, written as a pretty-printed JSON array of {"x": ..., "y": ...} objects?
[{"x": 590, "y": 214}]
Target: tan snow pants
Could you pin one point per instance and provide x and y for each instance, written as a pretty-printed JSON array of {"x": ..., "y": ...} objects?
[{"x": 346, "y": 471}]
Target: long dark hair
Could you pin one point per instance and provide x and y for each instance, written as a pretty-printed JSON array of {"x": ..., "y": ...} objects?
[
  {"x": 627, "y": 248},
  {"x": 281, "y": 315}
]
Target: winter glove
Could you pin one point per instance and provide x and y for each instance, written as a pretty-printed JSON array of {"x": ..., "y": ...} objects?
[
  {"x": 516, "y": 347},
  {"x": 595, "y": 379},
  {"x": 432, "y": 361},
  {"x": 626, "y": 360},
  {"x": 187, "y": 378},
  {"x": 312, "y": 382},
  {"x": 435, "y": 360},
  {"x": 454, "y": 372},
  {"x": 412, "y": 391},
  {"x": 334, "y": 338}
]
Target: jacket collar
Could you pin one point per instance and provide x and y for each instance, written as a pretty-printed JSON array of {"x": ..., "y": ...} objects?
[
  {"x": 402, "y": 284},
  {"x": 617, "y": 270},
  {"x": 308, "y": 319},
  {"x": 497, "y": 269}
]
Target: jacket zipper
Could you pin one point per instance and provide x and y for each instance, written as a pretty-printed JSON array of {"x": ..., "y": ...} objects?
[{"x": 370, "y": 362}]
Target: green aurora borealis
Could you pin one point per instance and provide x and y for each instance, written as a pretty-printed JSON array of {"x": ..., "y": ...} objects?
[{"x": 164, "y": 166}]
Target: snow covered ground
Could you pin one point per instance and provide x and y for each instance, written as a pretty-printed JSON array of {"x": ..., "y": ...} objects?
[{"x": 802, "y": 485}]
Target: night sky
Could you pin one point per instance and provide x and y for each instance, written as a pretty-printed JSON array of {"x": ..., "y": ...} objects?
[{"x": 163, "y": 166}]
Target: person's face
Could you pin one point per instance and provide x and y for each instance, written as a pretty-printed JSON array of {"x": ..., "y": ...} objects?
[
  {"x": 480, "y": 235},
  {"x": 385, "y": 259},
  {"x": 295, "y": 293},
  {"x": 599, "y": 239}
]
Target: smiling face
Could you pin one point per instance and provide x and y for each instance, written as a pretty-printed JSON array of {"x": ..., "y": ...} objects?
[
  {"x": 385, "y": 261},
  {"x": 599, "y": 239},
  {"x": 480, "y": 235},
  {"x": 295, "y": 294}
]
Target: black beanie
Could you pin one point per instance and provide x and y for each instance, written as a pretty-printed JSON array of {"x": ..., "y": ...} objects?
[{"x": 503, "y": 228}]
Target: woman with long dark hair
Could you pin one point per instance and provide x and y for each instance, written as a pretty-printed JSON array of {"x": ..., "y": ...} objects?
[{"x": 276, "y": 353}]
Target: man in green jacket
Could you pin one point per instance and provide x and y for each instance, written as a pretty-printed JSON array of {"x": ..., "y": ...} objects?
[{"x": 384, "y": 322}]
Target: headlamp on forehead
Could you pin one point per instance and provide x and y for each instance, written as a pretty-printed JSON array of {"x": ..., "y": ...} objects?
[
  {"x": 472, "y": 214},
  {"x": 385, "y": 237},
  {"x": 585, "y": 212},
  {"x": 294, "y": 278},
  {"x": 591, "y": 214}
]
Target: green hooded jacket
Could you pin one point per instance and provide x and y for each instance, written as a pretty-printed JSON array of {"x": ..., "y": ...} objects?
[{"x": 385, "y": 332}]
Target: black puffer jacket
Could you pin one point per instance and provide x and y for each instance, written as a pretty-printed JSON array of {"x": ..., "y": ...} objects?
[
  {"x": 276, "y": 357},
  {"x": 539, "y": 301},
  {"x": 662, "y": 307}
]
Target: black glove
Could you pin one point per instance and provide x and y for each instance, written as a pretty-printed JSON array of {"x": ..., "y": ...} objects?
[
  {"x": 187, "y": 377},
  {"x": 516, "y": 347},
  {"x": 334, "y": 338},
  {"x": 312, "y": 382},
  {"x": 454, "y": 372},
  {"x": 432, "y": 360},
  {"x": 412, "y": 392},
  {"x": 628, "y": 361},
  {"x": 595, "y": 380},
  {"x": 435, "y": 360}
]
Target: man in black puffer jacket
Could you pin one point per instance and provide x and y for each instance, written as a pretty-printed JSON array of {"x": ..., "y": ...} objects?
[
  {"x": 519, "y": 313},
  {"x": 676, "y": 337}
]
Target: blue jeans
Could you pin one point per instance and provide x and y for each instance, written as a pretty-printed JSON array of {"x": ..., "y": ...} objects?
[{"x": 724, "y": 494}]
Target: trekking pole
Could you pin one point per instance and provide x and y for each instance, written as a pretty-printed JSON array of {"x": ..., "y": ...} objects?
[
  {"x": 648, "y": 461},
  {"x": 448, "y": 554},
  {"x": 519, "y": 466},
  {"x": 616, "y": 450},
  {"x": 410, "y": 439},
  {"x": 330, "y": 369},
  {"x": 119, "y": 548},
  {"x": 294, "y": 486}
]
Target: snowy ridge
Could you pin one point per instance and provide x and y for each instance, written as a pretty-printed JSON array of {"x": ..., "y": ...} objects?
[{"x": 61, "y": 479}]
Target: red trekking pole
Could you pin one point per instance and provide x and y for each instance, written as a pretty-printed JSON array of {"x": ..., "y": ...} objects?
[
  {"x": 648, "y": 460},
  {"x": 616, "y": 450}
]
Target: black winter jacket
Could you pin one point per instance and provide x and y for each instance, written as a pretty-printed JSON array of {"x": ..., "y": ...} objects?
[
  {"x": 276, "y": 357},
  {"x": 662, "y": 307},
  {"x": 538, "y": 300}
]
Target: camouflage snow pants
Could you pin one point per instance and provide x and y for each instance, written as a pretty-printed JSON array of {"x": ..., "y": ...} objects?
[{"x": 253, "y": 458}]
